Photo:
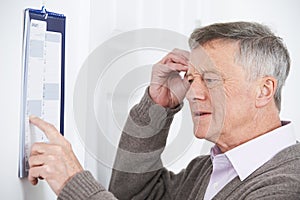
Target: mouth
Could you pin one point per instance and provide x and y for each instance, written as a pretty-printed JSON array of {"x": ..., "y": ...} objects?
[{"x": 201, "y": 113}]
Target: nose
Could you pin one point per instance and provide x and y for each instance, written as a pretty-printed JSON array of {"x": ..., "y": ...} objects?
[{"x": 197, "y": 91}]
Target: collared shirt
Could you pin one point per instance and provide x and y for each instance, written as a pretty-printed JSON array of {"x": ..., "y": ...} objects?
[{"x": 244, "y": 159}]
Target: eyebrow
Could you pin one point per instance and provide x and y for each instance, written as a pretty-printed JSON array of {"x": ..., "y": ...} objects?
[{"x": 202, "y": 71}]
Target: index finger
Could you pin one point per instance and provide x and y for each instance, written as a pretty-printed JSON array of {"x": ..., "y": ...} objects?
[
  {"x": 171, "y": 57},
  {"x": 185, "y": 54},
  {"x": 50, "y": 131}
]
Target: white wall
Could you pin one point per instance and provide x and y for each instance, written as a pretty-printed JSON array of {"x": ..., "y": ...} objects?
[
  {"x": 90, "y": 23},
  {"x": 77, "y": 42}
]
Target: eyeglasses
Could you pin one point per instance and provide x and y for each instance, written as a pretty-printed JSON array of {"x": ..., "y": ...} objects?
[{"x": 211, "y": 78}]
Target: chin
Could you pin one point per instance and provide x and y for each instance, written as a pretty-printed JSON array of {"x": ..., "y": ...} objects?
[
  {"x": 207, "y": 136},
  {"x": 200, "y": 134}
]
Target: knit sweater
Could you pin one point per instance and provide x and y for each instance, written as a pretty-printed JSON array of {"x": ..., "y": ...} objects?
[{"x": 139, "y": 174}]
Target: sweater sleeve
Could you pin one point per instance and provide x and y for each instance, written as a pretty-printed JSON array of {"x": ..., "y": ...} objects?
[
  {"x": 83, "y": 186},
  {"x": 138, "y": 171}
]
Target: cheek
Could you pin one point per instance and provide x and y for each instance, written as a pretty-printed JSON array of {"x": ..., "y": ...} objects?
[
  {"x": 220, "y": 107},
  {"x": 219, "y": 103},
  {"x": 238, "y": 104}
]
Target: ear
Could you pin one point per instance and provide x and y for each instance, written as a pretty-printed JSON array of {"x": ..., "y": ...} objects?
[{"x": 265, "y": 91}]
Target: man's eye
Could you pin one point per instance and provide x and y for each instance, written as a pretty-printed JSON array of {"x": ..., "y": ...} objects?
[
  {"x": 190, "y": 78},
  {"x": 211, "y": 79},
  {"x": 190, "y": 81}
]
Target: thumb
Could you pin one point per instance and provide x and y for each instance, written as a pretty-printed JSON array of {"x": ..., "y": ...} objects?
[{"x": 179, "y": 88}]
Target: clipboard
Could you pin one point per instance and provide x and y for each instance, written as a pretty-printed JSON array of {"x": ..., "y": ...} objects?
[{"x": 43, "y": 72}]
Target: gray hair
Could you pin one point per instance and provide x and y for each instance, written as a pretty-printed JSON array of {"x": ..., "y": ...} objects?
[{"x": 261, "y": 53}]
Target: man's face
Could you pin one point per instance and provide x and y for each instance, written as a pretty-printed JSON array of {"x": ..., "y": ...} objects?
[{"x": 222, "y": 101}]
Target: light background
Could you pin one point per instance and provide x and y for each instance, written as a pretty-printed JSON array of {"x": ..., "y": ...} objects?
[{"x": 91, "y": 22}]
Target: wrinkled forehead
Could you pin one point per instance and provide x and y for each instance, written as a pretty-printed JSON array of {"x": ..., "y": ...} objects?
[
  {"x": 200, "y": 60},
  {"x": 216, "y": 55}
]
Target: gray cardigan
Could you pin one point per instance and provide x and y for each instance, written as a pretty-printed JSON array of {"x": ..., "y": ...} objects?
[{"x": 139, "y": 174}]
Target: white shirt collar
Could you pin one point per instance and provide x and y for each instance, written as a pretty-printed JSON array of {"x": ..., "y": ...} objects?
[{"x": 248, "y": 157}]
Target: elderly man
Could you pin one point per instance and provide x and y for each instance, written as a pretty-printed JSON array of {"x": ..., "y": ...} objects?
[{"x": 233, "y": 82}]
